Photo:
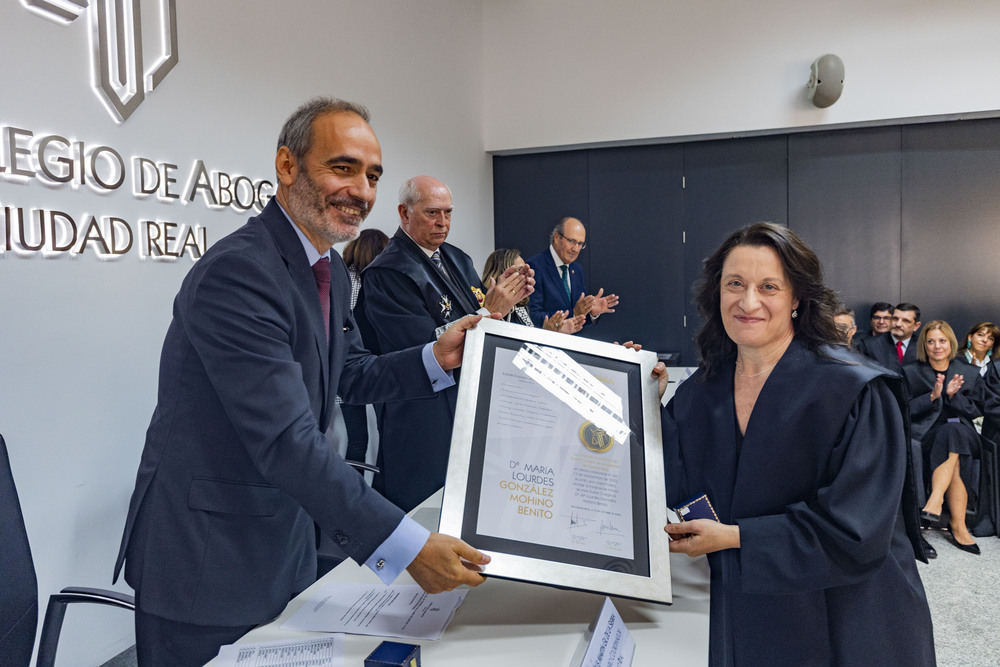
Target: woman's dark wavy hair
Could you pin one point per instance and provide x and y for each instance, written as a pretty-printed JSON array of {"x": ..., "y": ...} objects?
[{"x": 814, "y": 325}]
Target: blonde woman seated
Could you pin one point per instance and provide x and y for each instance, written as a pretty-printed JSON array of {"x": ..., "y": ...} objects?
[
  {"x": 982, "y": 344},
  {"x": 502, "y": 259},
  {"x": 945, "y": 396}
]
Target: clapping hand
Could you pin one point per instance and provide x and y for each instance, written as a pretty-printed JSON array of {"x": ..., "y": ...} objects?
[{"x": 603, "y": 303}]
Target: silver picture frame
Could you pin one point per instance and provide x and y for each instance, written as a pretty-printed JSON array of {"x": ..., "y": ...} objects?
[{"x": 555, "y": 523}]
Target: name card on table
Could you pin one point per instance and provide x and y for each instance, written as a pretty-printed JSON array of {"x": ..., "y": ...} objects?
[{"x": 607, "y": 642}]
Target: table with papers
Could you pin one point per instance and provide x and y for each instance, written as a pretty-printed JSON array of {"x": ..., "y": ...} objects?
[{"x": 506, "y": 622}]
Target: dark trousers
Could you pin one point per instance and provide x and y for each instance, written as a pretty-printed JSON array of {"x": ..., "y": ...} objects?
[{"x": 162, "y": 642}]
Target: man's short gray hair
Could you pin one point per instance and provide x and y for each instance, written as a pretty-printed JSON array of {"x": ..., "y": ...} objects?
[
  {"x": 560, "y": 228},
  {"x": 297, "y": 132},
  {"x": 409, "y": 192}
]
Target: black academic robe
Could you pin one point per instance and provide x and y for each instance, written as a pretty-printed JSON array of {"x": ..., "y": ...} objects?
[
  {"x": 991, "y": 402},
  {"x": 933, "y": 422},
  {"x": 404, "y": 301},
  {"x": 825, "y": 573},
  {"x": 965, "y": 405}
]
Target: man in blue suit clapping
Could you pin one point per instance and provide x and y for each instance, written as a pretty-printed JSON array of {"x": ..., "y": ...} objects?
[{"x": 559, "y": 281}]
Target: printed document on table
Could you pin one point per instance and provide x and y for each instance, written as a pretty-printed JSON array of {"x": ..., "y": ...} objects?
[
  {"x": 323, "y": 652},
  {"x": 373, "y": 609}
]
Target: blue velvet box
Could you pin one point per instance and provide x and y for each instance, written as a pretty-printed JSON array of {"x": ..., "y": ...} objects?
[{"x": 394, "y": 654}]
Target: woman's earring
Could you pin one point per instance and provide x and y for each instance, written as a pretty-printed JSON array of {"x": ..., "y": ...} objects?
[
  {"x": 968, "y": 343},
  {"x": 795, "y": 313}
]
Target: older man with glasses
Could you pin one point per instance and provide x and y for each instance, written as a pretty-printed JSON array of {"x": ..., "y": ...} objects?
[{"x": 559, "y": 281}]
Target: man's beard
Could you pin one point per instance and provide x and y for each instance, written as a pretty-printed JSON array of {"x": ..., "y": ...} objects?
[{"x": 309, "y": 208}]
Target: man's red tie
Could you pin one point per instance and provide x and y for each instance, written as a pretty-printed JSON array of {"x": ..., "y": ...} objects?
[
  {"x": 321, "y": 270},
  {"x": 899, "y": 350}
]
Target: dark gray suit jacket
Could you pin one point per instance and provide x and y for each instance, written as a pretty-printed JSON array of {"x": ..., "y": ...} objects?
[{"x": 236, "y": 468}]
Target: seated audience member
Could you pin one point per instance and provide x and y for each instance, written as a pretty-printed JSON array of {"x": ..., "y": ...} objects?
[
  {"x": 881, "y": 318},
  {"x": 843, "y": 317},
  {"x": 560, "y": 284},
  {"x": 357, "y": 255},
  {"x": 893, "y": 349},
  {"x": 502, "y": 259},
  {"x": 991, "y": 403},
  {"x": 945, "y": 396},
  {"x": 982, "y": 344}
]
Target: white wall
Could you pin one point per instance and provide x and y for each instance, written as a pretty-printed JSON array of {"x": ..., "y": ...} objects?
[
  {"x": 564, "y": 72},
  {"x": 446, "y": 80},
  {"x": 81, "y": 336}
]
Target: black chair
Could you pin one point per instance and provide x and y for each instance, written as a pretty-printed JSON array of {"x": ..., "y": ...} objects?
[
  {"x": 989, "y": 486},
  {"x": 19, "y": 587}
]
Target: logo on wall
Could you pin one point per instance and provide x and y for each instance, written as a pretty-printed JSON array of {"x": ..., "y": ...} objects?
[{"x": 120, "y": 78}]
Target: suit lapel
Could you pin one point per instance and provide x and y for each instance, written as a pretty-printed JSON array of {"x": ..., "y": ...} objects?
[
  {"x": 463, "y": 291},
  {"x": 441, "y": 284},
  {"x": 301, "y": 274}
]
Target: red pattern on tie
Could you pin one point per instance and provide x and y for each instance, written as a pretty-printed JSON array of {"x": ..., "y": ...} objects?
[
  {"x": 899, "y": 350},
  {"x": 321, "y": 271}
]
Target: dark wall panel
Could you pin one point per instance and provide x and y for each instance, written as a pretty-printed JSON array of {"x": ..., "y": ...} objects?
[
  {"x": 951, "y": 221},
  {"x": 902, "y": 213},
  {"x": 531, "y": 193},
  {"x": 634, "y": 242},
  {"x": 844, "y": 191},
  {"x": 729, "y": 184}
]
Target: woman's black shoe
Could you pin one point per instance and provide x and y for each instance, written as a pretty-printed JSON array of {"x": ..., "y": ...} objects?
[
  {"x": 929, "y": 520},
  {"x": 968, "y": 548}
]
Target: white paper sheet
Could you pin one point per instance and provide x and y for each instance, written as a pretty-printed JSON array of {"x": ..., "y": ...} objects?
[
  {"x": 374, "y": 609},
  {"x": 568, "y": 381},
  {"x": 327, "y": 651}
]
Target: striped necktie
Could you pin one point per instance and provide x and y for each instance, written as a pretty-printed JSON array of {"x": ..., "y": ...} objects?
[{"x": 565, "y": 277}]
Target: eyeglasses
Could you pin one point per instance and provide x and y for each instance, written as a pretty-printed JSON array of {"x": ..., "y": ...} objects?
[
  {"x": 882, "y": 318},
  {"x": 576, "y": 244}
]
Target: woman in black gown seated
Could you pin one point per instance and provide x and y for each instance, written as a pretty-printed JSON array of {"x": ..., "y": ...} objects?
[
  {"x": 982, "y": 344},
  {"x": 945, "y": 396},
  {"x": 799, "y": 444}
]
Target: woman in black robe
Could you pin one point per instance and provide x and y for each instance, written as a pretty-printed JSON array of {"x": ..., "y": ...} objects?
[
  {"x": 945, "y": 396},
  {"x": 801, "y": 447}
]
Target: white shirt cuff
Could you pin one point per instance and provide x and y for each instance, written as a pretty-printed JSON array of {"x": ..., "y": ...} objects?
[
  {"x": 440, "y": 379},
  {"x": 392, "y": 556}
]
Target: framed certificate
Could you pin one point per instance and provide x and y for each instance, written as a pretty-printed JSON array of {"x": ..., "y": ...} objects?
[{"x": 556, "y": 468}]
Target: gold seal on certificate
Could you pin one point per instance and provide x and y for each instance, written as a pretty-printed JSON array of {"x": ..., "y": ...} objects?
[{"x": 595, "y": 439}]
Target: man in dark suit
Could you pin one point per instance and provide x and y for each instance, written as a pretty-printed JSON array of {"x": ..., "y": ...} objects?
[
  {"x": 843, "y": 317},
  {"x": 235, "y": 470},
  {"x": 559, "y": 281},
  {"x": 880, "y": 318},
  {"x": 898, "y": 346},
  {"x": 412, "y": 292}
]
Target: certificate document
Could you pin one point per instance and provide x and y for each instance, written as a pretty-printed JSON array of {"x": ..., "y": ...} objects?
[
  {"x": 556, "y": 466},
  {"x": 549, "y": 475}
]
